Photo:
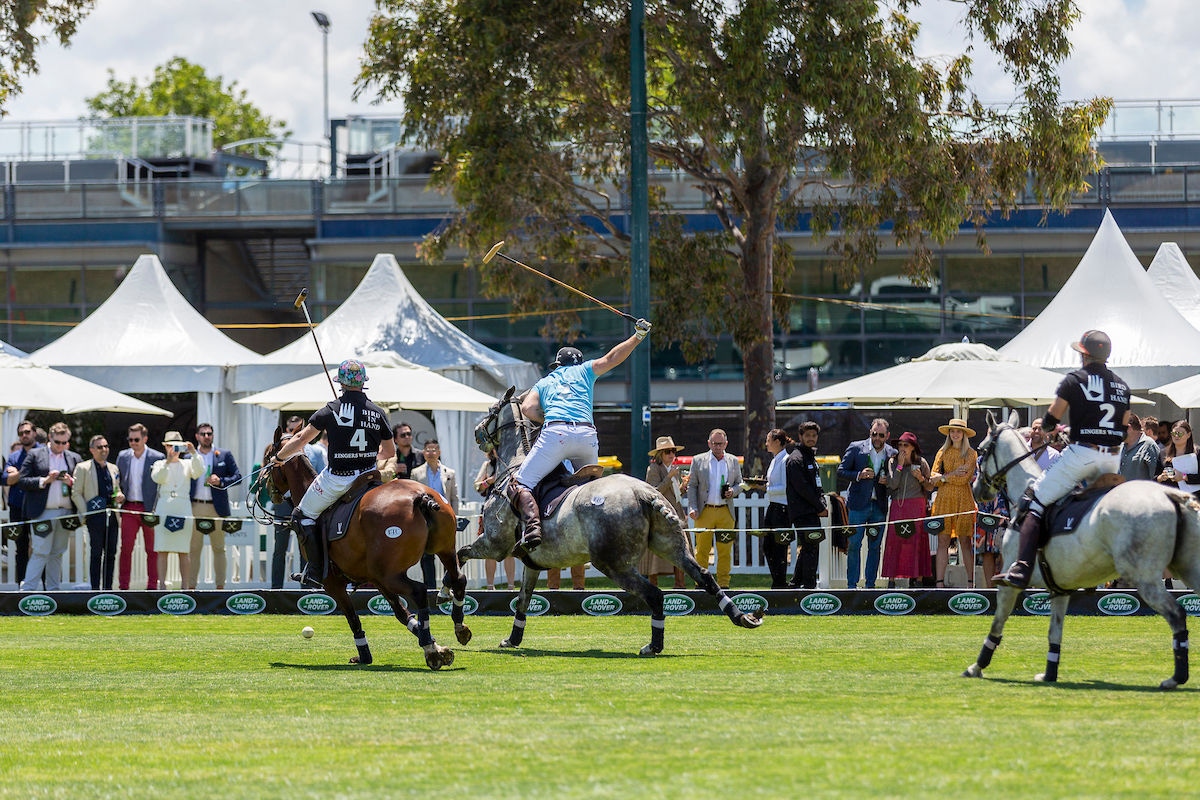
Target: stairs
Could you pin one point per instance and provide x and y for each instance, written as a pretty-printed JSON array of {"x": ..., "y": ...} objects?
[{"x": 283, "y": 265}]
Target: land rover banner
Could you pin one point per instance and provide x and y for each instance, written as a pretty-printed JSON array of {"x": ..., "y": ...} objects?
[{"x": 818, "y": 603}]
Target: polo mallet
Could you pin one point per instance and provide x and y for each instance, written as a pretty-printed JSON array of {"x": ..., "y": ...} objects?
[
  {"x": 495, "y": 251},
  {"x": 300, "y": 304}
]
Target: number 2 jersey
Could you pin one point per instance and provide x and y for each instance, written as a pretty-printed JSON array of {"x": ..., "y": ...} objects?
[
  {"x": 1098, "y": 401},
  {"x": 355, "y": 427}
]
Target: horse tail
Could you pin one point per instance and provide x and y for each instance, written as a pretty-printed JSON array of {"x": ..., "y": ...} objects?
[
  {"x": 1186, "y": 509},
  {"x": 438, "y": 520},
  {"x": 658, "y": 512}
]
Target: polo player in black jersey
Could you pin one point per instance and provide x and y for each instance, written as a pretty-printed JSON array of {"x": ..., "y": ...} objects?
[{"x": 1098, "y": 402}]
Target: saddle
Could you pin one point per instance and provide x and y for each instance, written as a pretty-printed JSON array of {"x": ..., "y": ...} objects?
[
  {"x": 1064, "y": 516},
  {"x": 560, "y": 484},
  {"x": 335, "y": 520}
]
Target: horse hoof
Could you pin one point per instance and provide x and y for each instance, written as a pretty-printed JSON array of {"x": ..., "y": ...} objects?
[
  {"x": 973, "y": 671},
  {"x": 463, "y": 634},
  {"x": 506, "y": 644},
  {"x": 1168, "y": 684},
  {"x": 649, "y": 650},
  {"x": 1041, "y": 678},
  {"x": 750, "y": 620},
  {"x": 360, "y": 661}
]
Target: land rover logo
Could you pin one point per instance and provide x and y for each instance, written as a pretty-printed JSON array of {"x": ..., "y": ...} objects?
[
  {"x": 379, "y": 604},
  {"x": 1037, "y": 604},
  {"x": 894, "y": 604},
  {"x": 538, "y": 605},
  {"x": 1191, "y": 604},
  {"x": 316, "y": 604},
  {"x": 176, "y": 604},
  {"x": 601, "y": 605},
  {"x": 470, "y": 606},
  {"x": 106, "y": 605},
  {"x": 1118, "y": 605},
  {"x": 968, "y": 603},
  {"x": 678, "y": 605},
  {"x": 246, "y": 603},
  {"x": 820, "y": 604},
  {"x": 37, "y": 605},
  {"x": 750, "y": 603}
]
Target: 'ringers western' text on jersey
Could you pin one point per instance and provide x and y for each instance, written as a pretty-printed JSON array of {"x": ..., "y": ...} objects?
[
  {"x": 1098, "y": 400},
  {"x": 355, "y": 426}
]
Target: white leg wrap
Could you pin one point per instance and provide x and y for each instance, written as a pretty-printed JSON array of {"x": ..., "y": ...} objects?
[
  {"x": 724, "y": 603},
  {"x": 989, "y": 644},
  {"x": 413, "y": 625},
  {"x": 658, "y": 623},
  {"x": 518, "y": 623},
  {"x": 1053, "y": 657},
  {"x": 360, "y": 641}
]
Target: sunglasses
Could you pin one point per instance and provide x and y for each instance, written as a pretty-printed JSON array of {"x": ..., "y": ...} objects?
[
  {"x": 204, "y": 433},
  {"x": 878, "y": 435},
  {"x": 100, "y": 447},
  {"x": 1179, "y": 434},
  {"x": 60, "y": 441},
  {"x": 404, "y": 435},
  {"x": 134, "y": 441}
]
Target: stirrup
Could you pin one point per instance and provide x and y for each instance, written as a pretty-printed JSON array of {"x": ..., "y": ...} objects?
[{"x": 305, "y": 581}]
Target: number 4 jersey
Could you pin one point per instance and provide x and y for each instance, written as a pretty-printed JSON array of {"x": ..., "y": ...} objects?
[
  {"x": 1098, "y": 401},
  {"x": 355, "y": 427}
]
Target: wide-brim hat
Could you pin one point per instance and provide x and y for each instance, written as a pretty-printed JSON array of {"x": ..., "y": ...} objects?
[
  {"x": 955, "y": 424},
  {"x": 910, "y": 438},
  {"x": 172, "y": 436},
  {"x": 664, "y": 443}
]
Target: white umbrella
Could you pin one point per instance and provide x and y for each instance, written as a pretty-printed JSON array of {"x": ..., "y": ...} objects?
[
  {"x": 24, "y": 384},
  {"x": 1183, "y": 393},
  {"x": 392, "y": 382},
  {"x": 954, "y": 375}
]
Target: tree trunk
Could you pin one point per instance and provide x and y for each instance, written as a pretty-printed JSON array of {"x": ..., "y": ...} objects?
[{"x": 758, "y": 347}]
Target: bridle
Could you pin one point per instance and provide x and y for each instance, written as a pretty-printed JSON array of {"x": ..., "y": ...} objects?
[
  {"x": 487, "y": 435},
  {"x": 998, "y": 481}
]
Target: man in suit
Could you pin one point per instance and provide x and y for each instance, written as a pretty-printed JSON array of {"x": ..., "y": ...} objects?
[
  {"x": 866, "y": 504},
  {"x": 46, "y": 478},
  {"x": 96, "y": 489},
  {"x": 141, "y": 495},
  {"x": 715, "y": 479},
  {"x": 209, "y": 495},
  {"x": 437, "y": 476},
  {"x": 27, "y": 436}
]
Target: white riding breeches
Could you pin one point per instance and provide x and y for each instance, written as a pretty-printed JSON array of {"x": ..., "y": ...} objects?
[
  {"x": 324, "y": 492},
  {"x": 558, "y": 442},
  {"x": 1076, "y": 465}
]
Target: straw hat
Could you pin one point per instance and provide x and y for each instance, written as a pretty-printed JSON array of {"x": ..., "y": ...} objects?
[
  {"x": 172, "y": 436},
  {"x": 664, "y": 443},
  {"x": 956, "y": 424}
]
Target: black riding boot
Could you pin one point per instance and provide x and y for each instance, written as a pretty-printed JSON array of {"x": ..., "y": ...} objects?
[
  {"x": 527, "y": 507},
  {"x": 1020, "y": 573},
  {"x": 310, "y": 544}
]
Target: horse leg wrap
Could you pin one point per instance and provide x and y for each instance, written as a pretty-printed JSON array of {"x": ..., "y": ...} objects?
[
  {"x": 1180, "y": 648},
  {"x": 1052, "y": 659},
  {"x": 657, "y": 627},
  {"x": 517, "y": 635},
  {"x": 726, "y": 605},
  {"x": 424, "y": 637},
  {"x": 987, "y": 651}
]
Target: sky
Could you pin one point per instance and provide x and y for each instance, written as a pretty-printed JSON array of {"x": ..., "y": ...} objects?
[{"x": 1125, "y": 49}]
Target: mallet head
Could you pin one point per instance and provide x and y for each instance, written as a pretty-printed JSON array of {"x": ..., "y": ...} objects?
[
  {"x": 300, "y": 298},
  {"x": 492, "y": 253}
]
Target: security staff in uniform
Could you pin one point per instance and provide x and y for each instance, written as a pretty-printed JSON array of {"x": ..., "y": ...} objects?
[
  {"x": 358, "y": 435},
  {"x": 1098, "y": 402}
]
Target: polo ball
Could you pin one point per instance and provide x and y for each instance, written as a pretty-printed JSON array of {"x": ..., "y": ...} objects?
[{"x": 307, "y": 633}]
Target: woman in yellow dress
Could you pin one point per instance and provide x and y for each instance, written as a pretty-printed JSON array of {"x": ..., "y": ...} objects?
[{"x": 953, "y": 472}]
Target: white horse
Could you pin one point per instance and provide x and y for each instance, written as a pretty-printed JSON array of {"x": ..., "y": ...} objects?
[
  {"x": 611, "y": 522},
  {"x": 1135, "y": 531}
]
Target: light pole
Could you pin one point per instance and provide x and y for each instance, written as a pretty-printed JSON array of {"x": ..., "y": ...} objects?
[{"x": 322, "y": 20}]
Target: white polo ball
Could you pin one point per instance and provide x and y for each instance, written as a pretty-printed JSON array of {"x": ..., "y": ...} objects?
[{"x": 307, "y": 632}]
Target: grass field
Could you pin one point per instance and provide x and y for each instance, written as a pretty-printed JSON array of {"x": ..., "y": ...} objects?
[{"x": 237, "y": 707}]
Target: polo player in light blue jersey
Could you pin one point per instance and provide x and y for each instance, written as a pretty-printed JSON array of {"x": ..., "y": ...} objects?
[{"x": 562, "y": 403}]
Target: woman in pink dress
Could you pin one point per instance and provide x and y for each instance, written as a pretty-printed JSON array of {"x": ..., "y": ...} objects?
[{"x": 906, "y": 549}]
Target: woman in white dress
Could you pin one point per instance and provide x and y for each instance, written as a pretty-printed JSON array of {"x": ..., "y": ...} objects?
[{"x": 174, "y": 475}]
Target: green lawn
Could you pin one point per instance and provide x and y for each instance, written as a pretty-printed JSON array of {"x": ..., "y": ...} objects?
[{"x": 238, "y": 707}]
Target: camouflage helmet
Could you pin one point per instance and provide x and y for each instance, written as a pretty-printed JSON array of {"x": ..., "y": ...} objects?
[{"x": 352, "y": 374}]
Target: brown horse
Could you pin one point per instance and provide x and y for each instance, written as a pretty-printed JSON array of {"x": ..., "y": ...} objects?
[{"x": 393, "y": 526}]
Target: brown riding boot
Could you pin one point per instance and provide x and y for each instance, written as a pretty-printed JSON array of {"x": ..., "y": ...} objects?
[
  {"x": 531, "y": 517},
  {"x": 1020, "y": 573}
]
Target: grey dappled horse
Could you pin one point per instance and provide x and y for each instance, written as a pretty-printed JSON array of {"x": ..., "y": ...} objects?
[
  {"x": 1135, "y": 531},
  {"x": 610, "y": 522}
]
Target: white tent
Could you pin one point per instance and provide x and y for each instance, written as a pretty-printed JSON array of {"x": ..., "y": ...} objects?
[
  {"x": 146, "y": 337},
  {"x": 8, "y": 350},
  {"x": 27, "y": 385},
  {"x": 386, "y": 313},
  {"x": 1152, "y": 342},
  {"x": 953, "y": 375},
  {"x": 392, "y": 383},
  {"x": 1172, "y": 275}
]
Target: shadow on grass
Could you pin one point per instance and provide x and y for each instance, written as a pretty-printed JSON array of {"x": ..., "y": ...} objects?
[
  {"x": 533, "y": 652},
  {"x": 1076, "y": 686},
  {"x": 376, "y": 667}
]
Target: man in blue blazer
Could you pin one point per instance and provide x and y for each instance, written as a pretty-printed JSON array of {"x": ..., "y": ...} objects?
[
  {"x": 209, "y": 494},
  {"x": 46, "y": 477},
  {"x": 141, "y": 494},
  {"x": 863, "y": 464}
]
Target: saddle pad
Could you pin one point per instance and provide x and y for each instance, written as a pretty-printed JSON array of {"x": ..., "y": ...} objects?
[
  {"x": 1065, "y": 515},
  {"x": 560, "y": 484},
  {"x": 336, "y": 521}
]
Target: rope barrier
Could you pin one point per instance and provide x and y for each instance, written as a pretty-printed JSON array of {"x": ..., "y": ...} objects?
[{"x": 864, "y": 525}]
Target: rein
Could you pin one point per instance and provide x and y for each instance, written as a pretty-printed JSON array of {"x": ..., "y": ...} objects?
[{"x": 997, "y": 482}]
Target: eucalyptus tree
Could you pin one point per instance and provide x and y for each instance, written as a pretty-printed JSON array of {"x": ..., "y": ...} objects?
[{"x": 26, "y": 24}]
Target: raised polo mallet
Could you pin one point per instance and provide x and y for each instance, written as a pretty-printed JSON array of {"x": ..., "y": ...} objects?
[
  {"x": 300, "y": 304},
  {"x": 495, "y": 251}
]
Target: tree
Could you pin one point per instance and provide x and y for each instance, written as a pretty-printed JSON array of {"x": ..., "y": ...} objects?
[
  {"x": 18, "y": 56},
  {"x": 774, "y": 109},
  {"x": 183, "y": 88}
]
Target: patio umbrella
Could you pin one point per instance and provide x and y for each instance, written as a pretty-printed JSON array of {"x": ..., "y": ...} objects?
[
  {"x": 392, "y": 382},
  {"x": 27, "y": 385}
]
